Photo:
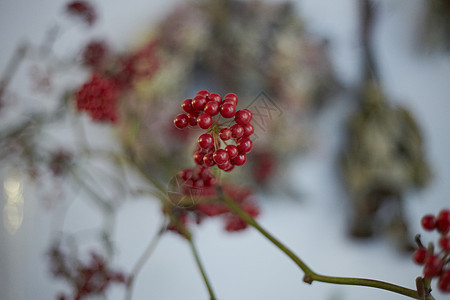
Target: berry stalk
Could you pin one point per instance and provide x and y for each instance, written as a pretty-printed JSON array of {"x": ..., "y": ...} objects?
[
  {"x": 143, "y": 259},
  {"x": 202, "y": 270},
  {"x": 12, "y": 67},
  {"x": 183, "y": 230},
  {"x": 310, "y": 275}
]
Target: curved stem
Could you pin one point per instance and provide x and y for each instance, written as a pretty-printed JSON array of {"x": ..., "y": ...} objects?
[
  {"x": 184, "y": 231},
  {"x": 96, "y": 199},
  {"x": 202, "y": 270},
  {"x": 362, "y": 282},
  {"x": 143, "y": 259},
  {"x": 12, "y": 67},
  {"x": 367, "y": 15},
  {"x": 310, "y": 275}
]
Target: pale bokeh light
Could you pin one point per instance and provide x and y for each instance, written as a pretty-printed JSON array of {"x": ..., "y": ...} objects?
[{"x": 13, "y": 209}]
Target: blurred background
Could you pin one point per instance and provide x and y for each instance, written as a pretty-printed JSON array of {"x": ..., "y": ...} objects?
[{"x": 320, "y": 71}]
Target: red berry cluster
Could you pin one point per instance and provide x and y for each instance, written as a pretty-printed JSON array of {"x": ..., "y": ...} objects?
[
  {"x": 112, "y": 76},
  {"x": 207, "y": 110},
  {"x": 87, "y": 279},
  {"x": 83, "y": 10},
  {"x": 233, "y": 222},
  {"x": 98, "y": 97},
  {"x": 197, "y": 179},
  {"x": 436, "y": 263},
  {"x": 200, "y": 183},
  {"x": 141, "y": 64}
]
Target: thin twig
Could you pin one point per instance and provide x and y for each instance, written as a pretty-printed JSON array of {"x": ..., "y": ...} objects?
[
  {"x": 184, "y": 231},
  {"x": 144, "y": 258},
  {"x": 102, "y": 204},
  {"x": 202, "y": 270},
  {"x": 367, "y": 14},
  {"x": 12, "y": 67}
]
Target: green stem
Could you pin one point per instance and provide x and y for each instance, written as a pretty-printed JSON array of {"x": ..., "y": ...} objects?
[
  {"x": 310, "y": 275},
  {"x": 143, "y": 259},
  {"x": 202, "y": 270},
  {"x": 12, "y": 67},
  {"x": 364, "y": 282},
  {"x": 184, "y": 231}
]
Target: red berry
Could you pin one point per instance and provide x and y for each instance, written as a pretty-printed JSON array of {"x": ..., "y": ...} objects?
[
  {"x": 186, "y": 174},
  {"x": 199, "y": 183},
  {"x": 419, "y": 255},
  {"x": 227, "y": 110},
  {"x": 198, "y": 103},
  {"x": 202, "y": 172},
  {"x": 192, "y": 119},
  {"x": 232, "y": 97},
  {"x": 229, "y": 168},
  {"x": 444, "y": 243},
  {"x": 208, "y": 160},
  {"x": 242, "y": 117},
  {"x": 61, "y": 297},
  {"x": 94, "y": 53},
  {"x": 443, "y": 221},
  {"x": 212, "y": 108},
  {"x": 232, "y": 151},
  {"x": 198, "y": 158},
  {"x": 181, "y": 121},
  {"x": 444, "y": 281},
  {"x": 239, "y": 160},
  {"x": 225, "y": 134},
  {"x": 235, "y": 223},
  {"x": 251, "y": 209},
  {"x": 248, "y": 129},
  {"x": 225, "y": 166},
  {"x": 229, "y": 101},
  {"x": 204, "y": 121},
  {"x": 187, "y": 106},
  {"x": 210, "y": 181},
  {"x": 203, "y": 93},
  {"x": 82, "y": 10},
  {"x": 206, "y": 141},
  {"x": 237, "y": 131},
  {"x": 221, "y": 157},
  {"x": 215, "y": 98},
  {"x": 244, "y": 145},
  {"x": 428, "y": 222},
  {"x": 250, "y": 113},
  {"x": 433, "y": 266},
  {"x": 211, "y": 209}
]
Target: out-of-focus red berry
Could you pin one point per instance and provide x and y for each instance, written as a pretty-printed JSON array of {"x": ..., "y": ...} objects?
[
  {"x": 433, "y": 266},
  {"x": 428, "y": 222},
  {"x": 83, "y": 10},
  {"x": 443, "y": 221},
  {"x": 419, "y": 255}
]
